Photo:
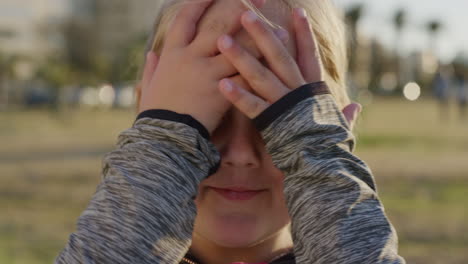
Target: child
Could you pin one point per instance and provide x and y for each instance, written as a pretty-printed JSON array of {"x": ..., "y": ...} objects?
[{"x": 240, "y": 151}]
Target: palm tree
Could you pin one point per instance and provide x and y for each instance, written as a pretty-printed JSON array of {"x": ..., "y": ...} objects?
[
  {"x": 7, "y": 72},
  {"x": 399, "y": 22},
  {"x": 433, "y": 28},
  {"x": 353, "y": 16}
]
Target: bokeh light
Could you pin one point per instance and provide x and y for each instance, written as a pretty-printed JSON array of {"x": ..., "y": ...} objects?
[
  {"x": 107, "y": 95},
  {"x": 389, "y": 82},
  {"x": 89, "y": 97},
  {"x": 126, "y": 96},
  {"x": 412, "y": 91}
]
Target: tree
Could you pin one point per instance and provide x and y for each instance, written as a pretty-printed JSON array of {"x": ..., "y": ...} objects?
[
  {"x": 7, "y": 73},
  {"x": 433, "y": 28},
  {"x": 399, "y": 23},
  {"x": 353, "y": 16},
  {"x": 80, "y": 52}
]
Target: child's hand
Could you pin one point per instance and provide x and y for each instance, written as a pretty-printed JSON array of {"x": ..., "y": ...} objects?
[
  {"x": 185, "y": 77},
  {"x": 283, "y": 74}
]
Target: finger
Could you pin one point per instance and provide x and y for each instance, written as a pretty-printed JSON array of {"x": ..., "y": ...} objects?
[
  {"x": 308, "y": 57},
  {"x": 223, "y": 18},
  {"x": 260, "y": 78},
  {"x": 351, "y": 112},
  {"x": 150, "y": 67},
  {"x": 246, "y": 102},
  {"x": 276, "y": 54},
  {"x": 182, "y": 30},
  {"x": 282, "y": 35},
  {"x": 224, "y": 68}
]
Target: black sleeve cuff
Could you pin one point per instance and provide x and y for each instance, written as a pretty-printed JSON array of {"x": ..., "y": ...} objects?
[
  {"x": 176, "y": 117},
  {"x": 287, "y": 102}
]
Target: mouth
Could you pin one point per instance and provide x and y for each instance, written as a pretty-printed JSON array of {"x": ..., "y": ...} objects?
[{"x": 237, "y": 194}]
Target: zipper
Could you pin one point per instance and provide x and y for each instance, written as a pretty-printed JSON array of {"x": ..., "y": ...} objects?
[{"x": 186, "y": 260}]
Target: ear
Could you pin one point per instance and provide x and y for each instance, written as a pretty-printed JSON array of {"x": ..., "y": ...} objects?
[{"x": 351, "y": 112}]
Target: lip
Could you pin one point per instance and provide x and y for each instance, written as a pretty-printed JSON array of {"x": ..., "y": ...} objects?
[{"x": 237, "y": 194}]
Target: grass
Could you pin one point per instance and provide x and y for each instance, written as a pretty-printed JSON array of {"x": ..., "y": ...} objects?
[{"x": 50, "y": 165}]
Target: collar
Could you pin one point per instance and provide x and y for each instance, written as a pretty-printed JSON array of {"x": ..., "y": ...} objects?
[{"x": 286, "y": 257}]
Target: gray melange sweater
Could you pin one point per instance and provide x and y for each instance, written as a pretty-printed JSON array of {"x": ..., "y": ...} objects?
[{"x": 143, "y": 210}]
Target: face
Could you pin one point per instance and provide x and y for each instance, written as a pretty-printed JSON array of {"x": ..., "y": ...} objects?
[{"x": 246, "y": 164}]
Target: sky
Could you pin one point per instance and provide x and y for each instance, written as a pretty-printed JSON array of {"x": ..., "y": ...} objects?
[{"x": 377, "y": 22}]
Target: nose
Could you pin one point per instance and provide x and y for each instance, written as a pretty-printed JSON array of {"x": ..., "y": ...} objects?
[{"x": 238, "y": 141}]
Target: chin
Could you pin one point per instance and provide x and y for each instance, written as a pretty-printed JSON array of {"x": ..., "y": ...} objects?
[
  {"x": 238, "y": 224},
  {"x": 231, "y": 230}
]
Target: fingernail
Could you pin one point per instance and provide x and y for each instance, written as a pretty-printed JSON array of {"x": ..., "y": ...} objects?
[
  {"x": 301, "y": 12},
  {"x": 226, "y": 85},
  {"x": 226, "y": 42},
  {"x": 282, "y": 34},
  {"x": 250, "y": 16}
]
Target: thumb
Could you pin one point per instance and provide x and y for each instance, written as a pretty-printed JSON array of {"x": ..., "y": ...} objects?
[{"x": 351, "y": 112}]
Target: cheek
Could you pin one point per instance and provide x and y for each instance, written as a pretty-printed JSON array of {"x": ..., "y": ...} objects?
[
  {"x": 278, "y": 193},
  {"x": 277, "y": 176},
  {"x": 280, "y": 209}
]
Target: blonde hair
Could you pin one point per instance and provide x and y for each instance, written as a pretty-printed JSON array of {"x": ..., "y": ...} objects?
[{"x": 325, "y": 19}]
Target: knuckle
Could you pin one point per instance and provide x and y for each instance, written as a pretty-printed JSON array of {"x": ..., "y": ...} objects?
[
  {"x": 282, "y": 57},
  {"x": 259, "y": 75}
]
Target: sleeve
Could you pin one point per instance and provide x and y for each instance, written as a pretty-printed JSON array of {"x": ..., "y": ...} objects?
[
  {"x": 143, "y": 209},
  {"x": 336, "y": 215}
]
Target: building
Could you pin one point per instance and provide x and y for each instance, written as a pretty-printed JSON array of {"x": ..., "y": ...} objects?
[
  {"x": 32, "y": 31},
  {"x": 29, "y": 33},
  {"x": 28, "y": 27},
  {"x": 32, "y": 28},
  {"x": 114, "y": 24}
]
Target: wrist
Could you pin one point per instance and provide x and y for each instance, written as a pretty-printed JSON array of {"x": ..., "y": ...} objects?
[{"x": 165, "y": 114}]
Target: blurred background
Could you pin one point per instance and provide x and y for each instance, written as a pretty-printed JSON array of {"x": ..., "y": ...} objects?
[{"x": 67, "y": 70}]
